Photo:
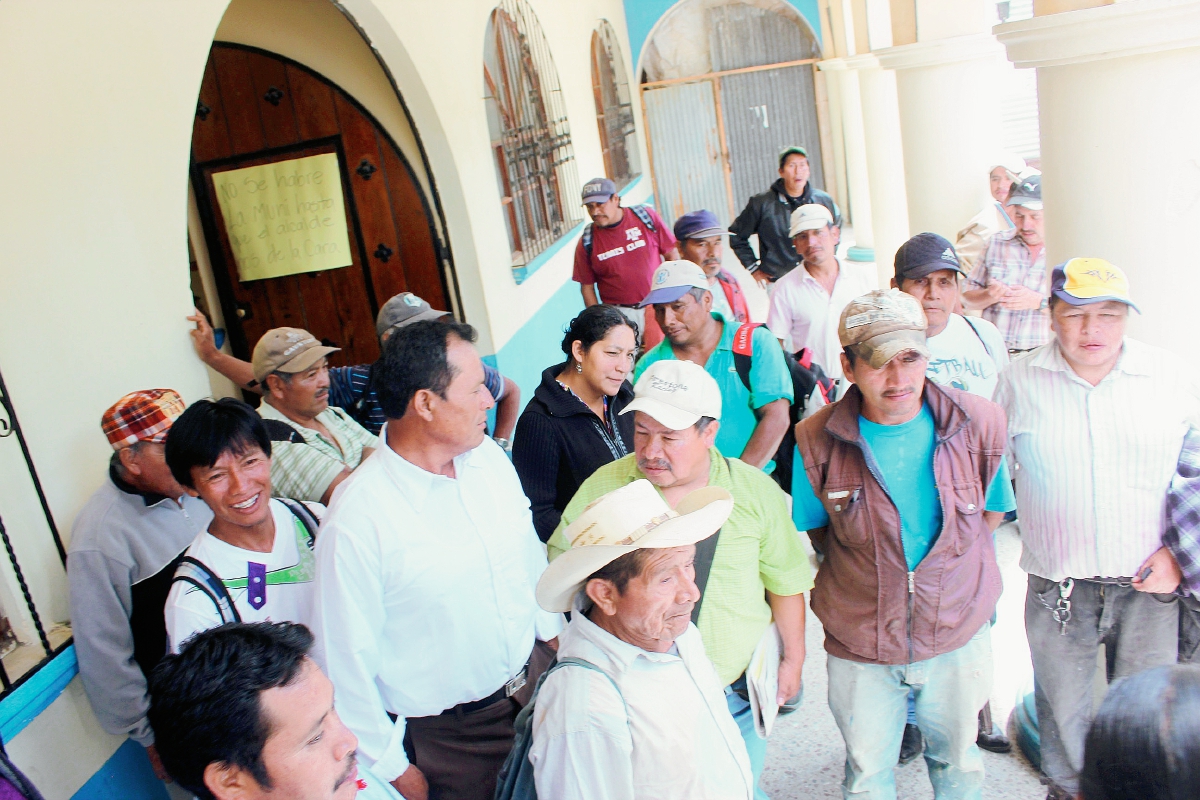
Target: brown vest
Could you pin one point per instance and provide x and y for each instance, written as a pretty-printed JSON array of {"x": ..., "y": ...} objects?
[{"x": 873, "y": 610}]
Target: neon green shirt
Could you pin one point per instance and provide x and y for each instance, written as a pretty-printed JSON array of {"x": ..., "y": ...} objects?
[{"x": 759, "y": 550}]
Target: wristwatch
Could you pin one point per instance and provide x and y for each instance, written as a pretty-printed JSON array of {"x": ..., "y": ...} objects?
[
  {"x": 1045, "y": 304},
  {"x": 505, "y": 444}
]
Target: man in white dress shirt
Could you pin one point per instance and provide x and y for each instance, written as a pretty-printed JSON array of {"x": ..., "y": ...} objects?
[
  {"x": 635, "y": 709},
  {"x": 1095, "y": 423},
  {"x": 807, "y": 303},
  {"x": 426, "y": 568}
]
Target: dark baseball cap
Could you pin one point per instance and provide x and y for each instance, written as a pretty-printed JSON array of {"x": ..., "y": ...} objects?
[
  {"x": 924, "y": 254},
  {"x": 598, "y": 190},
  {"x": 794, "y": 150},
  {"x": 1026, "y": 192},
  {"x": 698, "y": 225}
]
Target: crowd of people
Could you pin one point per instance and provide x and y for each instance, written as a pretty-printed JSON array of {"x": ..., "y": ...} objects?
[{"x": 361, "y": 587}]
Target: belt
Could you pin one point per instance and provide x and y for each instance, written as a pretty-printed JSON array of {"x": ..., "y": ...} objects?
[{"x": 506, "y": 691}]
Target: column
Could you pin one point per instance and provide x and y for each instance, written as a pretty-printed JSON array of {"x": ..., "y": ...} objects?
[
  {"x": 948, "y": 92},
  {"x": 1119, "y": 98}
]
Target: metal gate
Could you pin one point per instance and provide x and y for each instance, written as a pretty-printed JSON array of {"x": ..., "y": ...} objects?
[{"x": 687, "y": 154}]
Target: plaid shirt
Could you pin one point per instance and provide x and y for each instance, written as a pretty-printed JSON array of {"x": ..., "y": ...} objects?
[
  {"x": 304, "y": 471},
  {"x": 1007, "y": 259},
  {"x": 759, "y": 550},
  {"x": 1182, "y": 536}
]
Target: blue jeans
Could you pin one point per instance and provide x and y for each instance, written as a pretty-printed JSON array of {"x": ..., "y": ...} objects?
[
  {"x": 869, "y": 703},
  {"x": 755, "y": 745}
]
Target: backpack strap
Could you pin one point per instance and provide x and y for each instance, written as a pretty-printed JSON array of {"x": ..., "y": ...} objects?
[
  {"x": 644, "y": 216},
  {"x": 978, "y": 336},
  {"x": 702, "y": 564},
  {"x": 587, "y": 239},
  {"x": 743, "y": 351},
  {"x": 278, "y": 431},
  {"x": 195, "y": 572},
  {"x": 307, "y": 518},
  {"x": 579, "y": 662}
]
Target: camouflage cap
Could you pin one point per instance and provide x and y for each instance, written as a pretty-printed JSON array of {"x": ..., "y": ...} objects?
[{"x": 881, "y": 325}]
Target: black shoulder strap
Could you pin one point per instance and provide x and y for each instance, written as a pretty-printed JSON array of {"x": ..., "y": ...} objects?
[
  {"x": 587, "y": 239},
  {"x": 978, "y": 336},
  {"x": 705, "y": 550},
  {"x": 307, "y": 518},
  {"x": 278, "y": 431},
  {"x": 195, "y": 572}
]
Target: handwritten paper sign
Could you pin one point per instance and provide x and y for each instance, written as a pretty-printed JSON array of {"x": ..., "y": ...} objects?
[{"x": 286, "y": 217}]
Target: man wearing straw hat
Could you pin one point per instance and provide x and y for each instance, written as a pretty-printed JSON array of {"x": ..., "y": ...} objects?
[{"x": 641, "y": 711}]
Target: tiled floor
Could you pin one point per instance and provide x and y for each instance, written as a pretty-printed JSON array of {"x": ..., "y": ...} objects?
[{"x": 805, "y": 755}]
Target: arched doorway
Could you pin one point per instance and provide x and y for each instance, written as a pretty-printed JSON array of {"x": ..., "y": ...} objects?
[
  {"x": 261, "y": 110},
  {"x": 725, "y": 86}
]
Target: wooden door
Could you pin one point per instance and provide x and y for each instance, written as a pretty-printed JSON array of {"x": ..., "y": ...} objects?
[{"x": 256, "y": 107}]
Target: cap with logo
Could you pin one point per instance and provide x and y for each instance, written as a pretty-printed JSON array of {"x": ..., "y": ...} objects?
[
  {"x": 598, "y": 190},
  {"x": 810, "y": 217},
  {"x": 924, "y": 254},
  {"x": 633, "y": 517},
  {"x": 672, "y": 280},
  {"x": 881, "y": 325},
  {"x": 404, "y": 309},
  {"x": 286, "y": 350},
  {"x": 1081, "y": 281},
  {"x": 676, "y": 393},
  {"x": 1027, "y": 193},
  {"x": 698, "y": 225},
  {"x": 143, "y": 416},
  {"x": 1011, "y": 162},
  {"x": 793, "y": 150}
]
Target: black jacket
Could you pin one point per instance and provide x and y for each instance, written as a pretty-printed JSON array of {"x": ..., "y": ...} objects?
[
  {"x": 770, "y": 216},
  {"x": 560, "y": 442}
]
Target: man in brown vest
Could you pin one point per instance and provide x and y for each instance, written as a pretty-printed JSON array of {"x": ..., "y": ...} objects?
[{"x": 903, "y": 483}]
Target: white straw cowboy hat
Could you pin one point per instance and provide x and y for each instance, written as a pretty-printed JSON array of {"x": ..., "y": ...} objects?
[{"x": 634, "y": 517}]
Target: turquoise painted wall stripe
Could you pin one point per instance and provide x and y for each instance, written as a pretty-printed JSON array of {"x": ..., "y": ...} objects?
[
  {"x": 127, "y": 775},
  {"x": 537, "y": 344},
  {"x": 36, "y": 694}
]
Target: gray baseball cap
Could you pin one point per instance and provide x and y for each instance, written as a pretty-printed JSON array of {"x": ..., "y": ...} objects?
[{"x": 404, "y": 309}]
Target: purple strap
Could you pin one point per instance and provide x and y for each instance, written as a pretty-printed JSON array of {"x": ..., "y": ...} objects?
[{"x": 256, "y": 585}]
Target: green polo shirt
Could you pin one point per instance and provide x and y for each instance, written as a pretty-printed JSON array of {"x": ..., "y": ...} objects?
[
  {"x": 759, "y": 550},
  {"x": 769, "y": 381}
]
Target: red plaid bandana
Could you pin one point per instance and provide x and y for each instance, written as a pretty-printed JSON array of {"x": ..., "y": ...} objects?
[{"x": 144, "y": 416}]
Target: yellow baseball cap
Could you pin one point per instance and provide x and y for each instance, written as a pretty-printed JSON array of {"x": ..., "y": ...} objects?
[{"x": 1081, "y": 281}]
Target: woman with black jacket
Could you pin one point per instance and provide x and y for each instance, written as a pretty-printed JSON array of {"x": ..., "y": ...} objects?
[{"x": 572, "y": 426}]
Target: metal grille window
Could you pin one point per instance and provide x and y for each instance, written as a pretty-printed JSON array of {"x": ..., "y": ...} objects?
[
  {"x": 614, "y": 109},
  {"x": 34, "y": 612},
  {"x": 531, "y": 140}
]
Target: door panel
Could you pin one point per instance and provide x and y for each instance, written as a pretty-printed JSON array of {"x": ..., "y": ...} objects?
[
  {"x": 689, "y": 169},
  {"x": 256, "y": 108},
  {"x": 765, "y": 112}
]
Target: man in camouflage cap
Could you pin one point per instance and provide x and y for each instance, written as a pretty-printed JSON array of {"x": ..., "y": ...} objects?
[{"x": 902, "y": 483}]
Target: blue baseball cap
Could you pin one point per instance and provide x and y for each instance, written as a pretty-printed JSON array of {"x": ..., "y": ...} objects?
[
  {"x": 598, "y": 190},
  {"x": 698, "y": 225}
]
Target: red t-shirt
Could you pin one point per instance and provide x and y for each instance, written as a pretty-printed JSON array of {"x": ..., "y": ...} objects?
[{"x": 623, "y": 258}]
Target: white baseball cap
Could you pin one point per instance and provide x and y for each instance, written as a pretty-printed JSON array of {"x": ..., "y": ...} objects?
[
  {"x": 677, "y": 394},
  {"x": 809, "y": 218},
  {"x": 672, "y": 280}
]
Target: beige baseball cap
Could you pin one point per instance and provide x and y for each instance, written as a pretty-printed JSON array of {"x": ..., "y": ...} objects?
[
  {"x": 677, "y": 394},
  {"x": 881, "y": 325},
  {"x": 286, "y": 350},
  {"x": 810, "y": 217}
]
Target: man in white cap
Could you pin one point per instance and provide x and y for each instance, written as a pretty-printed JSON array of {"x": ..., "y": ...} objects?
[
  {"x": 756, "y": 390},
  {"x": 637, "y": 709},
  {"x": 903, "y": 483},
  {"x": 756, "y": 570},
  {"x": 317, "y": 446},
  {"x": 1096, "y": 423},
  {"x": 806, "y": 302}
]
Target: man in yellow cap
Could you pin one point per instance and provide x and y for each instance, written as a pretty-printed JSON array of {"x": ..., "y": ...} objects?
[{"x": 1096, "y": 421}]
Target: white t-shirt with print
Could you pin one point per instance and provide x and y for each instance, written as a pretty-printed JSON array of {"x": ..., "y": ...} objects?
[
  {"x": 289, "y": 568},
  {"x": 961, "y": 358}
]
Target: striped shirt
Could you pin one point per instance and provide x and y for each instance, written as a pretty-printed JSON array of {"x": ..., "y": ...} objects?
[
  {"x": 759, "y": 549},
  {"x": 1093, "y": 463},
  {"x": 1008, "y": 260},
  {"x": 304, "y": 471}
]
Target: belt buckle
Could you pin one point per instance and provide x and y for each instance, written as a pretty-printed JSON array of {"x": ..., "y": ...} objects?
[{"x": 515, "y": 684}]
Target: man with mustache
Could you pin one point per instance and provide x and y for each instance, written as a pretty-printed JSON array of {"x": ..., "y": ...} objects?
[
  {"x": 903, "y": 482},
  {"x": 244, "y": 713},
  {"x": 316, "y": 446},
  {"x": 759, "y": 569},
  {"x": 700, "y": 241}
]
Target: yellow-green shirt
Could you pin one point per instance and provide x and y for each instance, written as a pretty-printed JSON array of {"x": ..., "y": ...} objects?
[{"x": 759, "y": 550}]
